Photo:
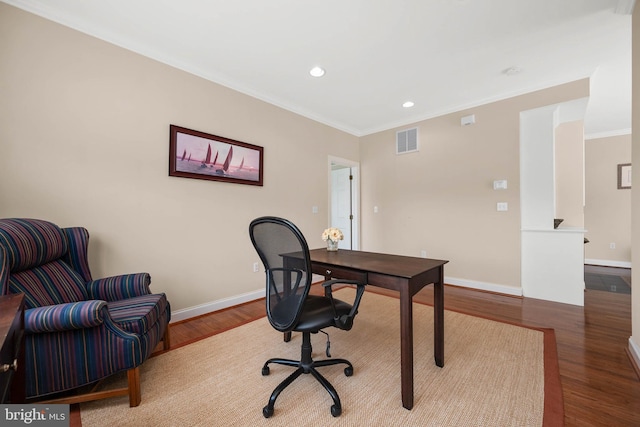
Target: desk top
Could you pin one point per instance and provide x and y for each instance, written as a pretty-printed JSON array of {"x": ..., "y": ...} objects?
[
  {"x": 10, "y": 307},
  {"x": 392, "y": 265}
]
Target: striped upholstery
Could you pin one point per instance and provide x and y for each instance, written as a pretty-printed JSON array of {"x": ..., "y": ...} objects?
[
  {"x": 119, "y": 287},
  {"x": 78, "y": 238},
  {"x": 137, "y": 314},
  {"x": 52, "y": 283},
  {"x": 31, "y": 242},
  {"x": 59, "y": 317},
  {"x": 77, "y": 330}
]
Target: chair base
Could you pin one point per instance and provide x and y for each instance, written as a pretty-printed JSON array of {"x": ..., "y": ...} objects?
[
  {"x": 306, "y": 365},
  {"x": 132, "y": 390}
]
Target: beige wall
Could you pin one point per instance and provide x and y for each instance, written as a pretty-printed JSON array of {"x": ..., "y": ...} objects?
[
  {"x": 441, "y": 199},
  {"x": 84, "y": 138},
  {"x": 84, "y": 127},
  {"x": 607, "y": 209}
]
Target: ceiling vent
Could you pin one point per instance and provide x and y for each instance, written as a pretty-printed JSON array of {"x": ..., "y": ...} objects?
[{"x": 407, "y": 141}]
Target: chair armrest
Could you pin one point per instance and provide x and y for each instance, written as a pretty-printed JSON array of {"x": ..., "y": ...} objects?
[
  {"x": 121, "y": 287},
  {"x": 346, "y": 321},
  {"x": 62, "y": 317}
]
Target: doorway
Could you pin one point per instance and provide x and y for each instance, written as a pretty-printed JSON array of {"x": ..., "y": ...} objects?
[{"x": 344, "y": 200}]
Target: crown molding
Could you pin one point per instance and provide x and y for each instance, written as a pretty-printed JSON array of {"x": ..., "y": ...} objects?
[{"x": 625, "y": 7}]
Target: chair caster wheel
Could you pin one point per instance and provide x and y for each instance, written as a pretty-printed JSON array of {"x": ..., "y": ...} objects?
[
  {"x": 348, "y": 371},
  {"x": 265, "y": 371},
  {"x": 267, "y": 411},
  {"x": 336, "y": 410}
]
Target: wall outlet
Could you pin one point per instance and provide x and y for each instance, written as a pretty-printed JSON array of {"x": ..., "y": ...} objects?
[
  {"x": 256, "y": 267},
  {"x": 502, "y": 206},
  {"x": 423, "y": 253},
  {"x": 612, "y": 245}
]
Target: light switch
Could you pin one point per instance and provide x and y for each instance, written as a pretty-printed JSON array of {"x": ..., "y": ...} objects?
[
  {"x": 314, "y": 209},
  {"x": 502, "y": 206},
  {"x": 500, "y": 184},
  {"x": 375, "y": 209}
]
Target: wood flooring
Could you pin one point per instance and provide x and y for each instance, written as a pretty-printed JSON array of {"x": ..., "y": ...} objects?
[{"x": 599, "y": 384}]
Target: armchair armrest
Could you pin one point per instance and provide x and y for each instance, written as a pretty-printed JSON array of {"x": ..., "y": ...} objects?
[
  {"x": 121, "y": 287},
  {"x": 62, "y": 317},
  {"x": 345, "y": 321}
]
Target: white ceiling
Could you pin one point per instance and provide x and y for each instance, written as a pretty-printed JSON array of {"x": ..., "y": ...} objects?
[{"x": 444, "y": 55}]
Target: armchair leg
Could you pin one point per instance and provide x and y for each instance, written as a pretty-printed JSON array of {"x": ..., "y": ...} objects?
[{"x": 133, "y": 378}]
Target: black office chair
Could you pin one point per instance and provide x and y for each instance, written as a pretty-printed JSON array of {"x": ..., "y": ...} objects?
[{"x": 285, "y": 255}]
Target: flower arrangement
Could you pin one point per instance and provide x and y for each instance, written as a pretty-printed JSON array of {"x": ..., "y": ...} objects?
[{"x": 333, "y": 234}]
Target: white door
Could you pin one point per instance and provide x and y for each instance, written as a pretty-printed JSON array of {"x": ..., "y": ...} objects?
[
  {"x": 341, "y": 215},
  {"x": 344, "y": 200}
]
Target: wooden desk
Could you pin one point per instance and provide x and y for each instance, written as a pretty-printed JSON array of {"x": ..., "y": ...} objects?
[
  {"x": 407, "y": 275},
  {"x": 12, "y": 382}
]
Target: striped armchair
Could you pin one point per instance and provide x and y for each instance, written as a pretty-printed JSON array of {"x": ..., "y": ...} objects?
[{"x": 77, "y": 330}]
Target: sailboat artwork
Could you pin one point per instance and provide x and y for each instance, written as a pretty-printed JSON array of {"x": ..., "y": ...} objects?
[
  {"x": 207, "y": 159},
  {"x": 199, "y": 155},
  {"x": 227, "y": 162}
]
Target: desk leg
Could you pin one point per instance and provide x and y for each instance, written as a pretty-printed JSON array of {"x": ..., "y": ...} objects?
[
  {"x": 438, "y": 319},
  {"x": 406, "y": 347}
]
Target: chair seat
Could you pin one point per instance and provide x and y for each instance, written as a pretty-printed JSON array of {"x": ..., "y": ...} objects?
[
  {"x": 136, "y": 315},
  {"x": 318, "y": 314}
]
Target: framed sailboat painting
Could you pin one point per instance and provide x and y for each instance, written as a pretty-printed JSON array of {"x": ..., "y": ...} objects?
[{"x": 199, "y": 155}]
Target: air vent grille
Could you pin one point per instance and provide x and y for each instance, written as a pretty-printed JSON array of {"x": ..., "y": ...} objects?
[{"x": 407, "y": 141}]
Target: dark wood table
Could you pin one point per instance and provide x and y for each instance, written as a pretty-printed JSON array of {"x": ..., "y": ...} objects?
[
  {"x": 12, "y": 381},
  {"x": 407, "y": 275}
]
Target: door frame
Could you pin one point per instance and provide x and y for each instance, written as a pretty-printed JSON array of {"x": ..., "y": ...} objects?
[{"x": 355, "y": 195}]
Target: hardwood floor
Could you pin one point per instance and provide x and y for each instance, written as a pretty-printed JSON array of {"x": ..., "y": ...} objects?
[{"x": 599, "y": 384}]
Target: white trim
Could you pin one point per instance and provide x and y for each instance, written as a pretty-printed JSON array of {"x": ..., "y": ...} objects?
[
  {"x": 491, "y": 287},
  {"x": 210, "y": 307},
  {"x": 634, "y": 351},
  {"x": 608, "y": 263},
  {"x": 625, "y": 7},
  {"x": 608, "y": 134}
]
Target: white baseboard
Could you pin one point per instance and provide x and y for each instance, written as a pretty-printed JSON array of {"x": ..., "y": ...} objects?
[
  {"x": 634, "y": 351},
  {"x": 210, "y": 307},
  {"x": 491, "y": 287},
  {"x": 608, "y": 263}
]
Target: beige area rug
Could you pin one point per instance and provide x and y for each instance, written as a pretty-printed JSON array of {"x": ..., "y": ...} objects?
[{"x": 493, "y": 376}]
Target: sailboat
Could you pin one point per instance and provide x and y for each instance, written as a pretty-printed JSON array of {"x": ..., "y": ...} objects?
[
  {"x": 226, "y": 163},
  {"x": 241, "y": 164},
  {"x": 207, "y": 159},
  {"x": 184, "y": 153}
]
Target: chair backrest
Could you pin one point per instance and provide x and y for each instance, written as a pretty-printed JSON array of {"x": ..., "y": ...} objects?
[
  {"x": 32, "y": 253},
  {"x": 285, "y": 255}
]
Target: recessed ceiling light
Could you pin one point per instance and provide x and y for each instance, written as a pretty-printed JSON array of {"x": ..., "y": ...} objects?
[
  {"x": 317, "y": 72},
  {"x": 512, "y": 71},
  {"x": 408, "y": 104}
]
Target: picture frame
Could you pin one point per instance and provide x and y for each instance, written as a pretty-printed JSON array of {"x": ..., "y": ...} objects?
[
  {"x": 624, "y": 176},
  {"x": 199, "y": 155}
]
